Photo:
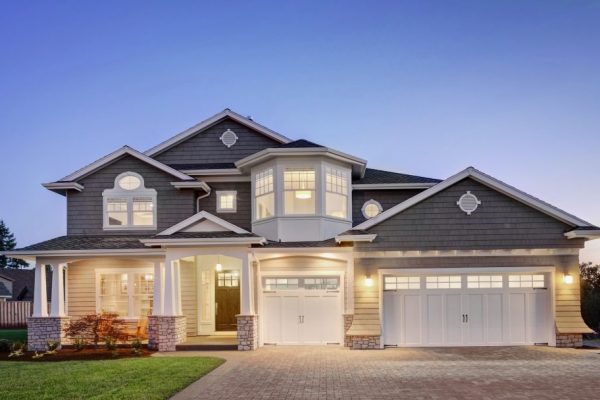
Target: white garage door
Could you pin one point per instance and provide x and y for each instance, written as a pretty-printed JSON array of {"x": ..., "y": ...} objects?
[
  {"x": 301, "y": 310},
  {"x": 466, "y": 309}
]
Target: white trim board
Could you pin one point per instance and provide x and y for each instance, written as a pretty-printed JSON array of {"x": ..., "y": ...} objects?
[
  {"x": 63, "y": 186},
  {"x": 388, "y": 186},
  {"x": 589, "y": 234},
  {"x": 204, "y": 241},
  {"x": 180, "y": 137},
  {"x": 121, "y": 152},
  {"x": 466, "y": 253},
  {"x": 355, "y": 238},
  {"x": 486, "y": 180},
  {"x": 186, "y": 223}
]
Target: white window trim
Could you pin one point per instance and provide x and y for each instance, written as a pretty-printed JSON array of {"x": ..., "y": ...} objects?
[
  {"x": 255, "y": 216},
  {"x": 367, "y": 203},
  {"x": 119, "y": 193},
  {"x": 225, "y": 193},
  {"x": 315, "y": 191},
  {"x": 346, "y": 195},
  {"x": 129, "y": 272}
]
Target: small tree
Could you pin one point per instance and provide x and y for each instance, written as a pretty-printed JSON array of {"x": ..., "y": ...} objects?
[
  {"x": 590, "y": 294},
  {"x": 96, "y": 327},
  {"x": 8, "y": 242}
]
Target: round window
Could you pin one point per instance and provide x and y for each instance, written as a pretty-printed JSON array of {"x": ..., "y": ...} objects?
[
  {"x": 371, "y": 209},
  {"x": 130, "y": 182}
]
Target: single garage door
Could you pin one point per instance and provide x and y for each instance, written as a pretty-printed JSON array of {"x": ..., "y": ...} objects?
[
  {"x": 474, "y": 309},
  {"x": 301, "y": 310}
]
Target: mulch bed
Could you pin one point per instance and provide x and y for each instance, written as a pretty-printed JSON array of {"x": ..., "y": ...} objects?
[{"x": 82, "y": 355}]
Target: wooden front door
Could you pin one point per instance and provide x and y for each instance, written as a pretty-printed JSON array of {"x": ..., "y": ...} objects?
[{"x": 227, "y": 300}]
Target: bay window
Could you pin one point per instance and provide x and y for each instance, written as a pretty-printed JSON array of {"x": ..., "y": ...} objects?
[
  {"x": 336, "y": 193},
  {"x": 129, "y": 294},
  {"x": 299, "y": 192},
  {"x": 264, "y": 194}
]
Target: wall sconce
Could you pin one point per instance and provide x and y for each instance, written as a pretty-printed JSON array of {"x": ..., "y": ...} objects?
[
  {"x": 368, "y": 281},
  {"x": 568, "y": 279}
]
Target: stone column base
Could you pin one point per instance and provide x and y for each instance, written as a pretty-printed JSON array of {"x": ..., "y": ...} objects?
[
  {"x": 247, "y": 332},
  {"x": 348, "y": 318},
  {"x": 365, "y": 342},
  {"x": 569, "y": 340},
  {"x": 42, "y": 329},
  {"x": 165, "y": 332}
]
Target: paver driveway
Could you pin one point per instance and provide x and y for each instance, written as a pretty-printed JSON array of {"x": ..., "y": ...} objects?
[{"x": 417, "y": 373}]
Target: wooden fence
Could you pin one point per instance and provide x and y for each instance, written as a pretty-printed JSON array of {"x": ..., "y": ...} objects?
[{"x": 13, "y": 314}]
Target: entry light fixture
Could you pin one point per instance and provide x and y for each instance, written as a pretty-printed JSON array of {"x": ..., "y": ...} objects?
[
  {"x": 218, "y": 267},
  {"x": 368, "y": 281},
  {"x": 568, "y": 279}
]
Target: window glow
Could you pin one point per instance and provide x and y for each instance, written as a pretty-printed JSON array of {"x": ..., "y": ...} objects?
[
  {"x": 117, "y": 296},
  {"x": 130, "y": 182},
  {"x": 401, "y": 282},
  {"x": 226, "y": 201},
  {"x": 336, "y": 193},
  {"x": 129, "y": 204},
  {"x": 264, "y": 194},
  {"x": 443, "y": 282},
  {"x": 299, "y": 190}
]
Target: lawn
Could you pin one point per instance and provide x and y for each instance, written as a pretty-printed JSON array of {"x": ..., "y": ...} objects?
[
  {"x": 133, "y": 378},
  {"x": 14, "y": 334}
]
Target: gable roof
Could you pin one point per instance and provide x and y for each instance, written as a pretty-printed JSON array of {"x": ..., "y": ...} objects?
[
  {"x": 377, "y": 176},
  {"x": 227, "y": 113},
  {"x": 486, "y": 180},
  {"x": 300, "y": 143},
  {"x": 198, "y": 217},
  {"x": 125, "y": 150}
]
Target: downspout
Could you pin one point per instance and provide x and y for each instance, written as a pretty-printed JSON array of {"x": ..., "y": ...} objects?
[{"x": 208, "y": 190}]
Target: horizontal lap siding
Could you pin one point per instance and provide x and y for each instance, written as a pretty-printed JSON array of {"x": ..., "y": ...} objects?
[
  {"x": 500, "y": 222},
  {"x": 189, "y": 299},
  {"x": 206, "y": 146},
  {"x": 387, "y": 199},
  {"x": 84, "y": 209},
  {"x": 243, "y": 215}
]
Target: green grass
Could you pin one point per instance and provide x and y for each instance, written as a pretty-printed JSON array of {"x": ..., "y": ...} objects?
[
  {"x": 132, "y": 378},
  {"x": 14, "y": 334}
]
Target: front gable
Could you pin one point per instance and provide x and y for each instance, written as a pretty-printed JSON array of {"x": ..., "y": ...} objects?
[{"x": 499, "y": 222}]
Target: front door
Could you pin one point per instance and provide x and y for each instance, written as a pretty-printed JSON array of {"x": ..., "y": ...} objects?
[{"x": 227, "y": 300}]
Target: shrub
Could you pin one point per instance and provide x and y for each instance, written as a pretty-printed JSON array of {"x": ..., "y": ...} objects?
[
  {"x": 52, "y": 346},
  {"x": 17, "y": 349},
  {"x": 79, "y": 343},
  {"x": 5, "y": 345},
  {"x": 96, "y": 327},
  {"x": 110, "y": 343},
  {"x": 37, "y": 356},
  {"x": 136, "y": 346}
]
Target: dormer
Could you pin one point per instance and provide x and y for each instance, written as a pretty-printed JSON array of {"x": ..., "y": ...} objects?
[{"x": 301, "y": 191}]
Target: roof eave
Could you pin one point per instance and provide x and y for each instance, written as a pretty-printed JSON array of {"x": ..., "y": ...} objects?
[
  {"x": 588, "y": 234},
  {"x": 355, "y": 238},
  {"x": 389, "y": 186},
  {"x": 235, "y": 241}
]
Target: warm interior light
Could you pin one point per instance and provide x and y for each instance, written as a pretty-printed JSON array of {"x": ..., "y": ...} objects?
[
  {"x": 148, "y": 277},
  {"x": 303, "y": 194},
  {"x": 368, "y": 281},
  {"x": 568, "y": 279},
  {"x": 218, "y": 267}
]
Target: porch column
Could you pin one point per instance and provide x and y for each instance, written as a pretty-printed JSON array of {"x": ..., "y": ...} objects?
[
  {"x": 40, "y": 297},
  {"x": 158, "y": 303},
  {"x": 246, "y": 303},
  {"x": 58, "y": 291},
  {"x": 177, "y": 283},
  {"x": 169, "y": 302}
]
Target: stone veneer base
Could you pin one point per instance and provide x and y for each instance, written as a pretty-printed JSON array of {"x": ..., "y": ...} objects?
[
  {"x": 247, "y": 332},
  {"x": 569, "y": 340},
  {"x": 165, "y": 332},
  {"x": 42, "y": 329},
  {"x": 366, "y": 342},
  {"x": 348, "y": 318}
]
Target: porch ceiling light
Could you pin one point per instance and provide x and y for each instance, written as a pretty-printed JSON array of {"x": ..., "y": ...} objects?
[
  {"x": 219, "y": 267},
  {"x": 568, "y": 279},
  {"x": 368, "y": 281},
  {"x": 303, "y": 194}
]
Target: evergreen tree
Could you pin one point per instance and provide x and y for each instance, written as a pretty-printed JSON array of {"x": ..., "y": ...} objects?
[{"x": 8, "y": 242}]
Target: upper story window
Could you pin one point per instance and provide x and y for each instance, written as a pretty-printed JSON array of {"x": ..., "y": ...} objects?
[
  {"x": 226, "y": 201},
  {"x": 264, "y": 194},
  {"x": 299, "y": 192},
  {"x": 129, "y": 205},
  {"x": 336, "y": 193}
]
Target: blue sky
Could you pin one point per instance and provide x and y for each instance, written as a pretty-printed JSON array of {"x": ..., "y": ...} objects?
[{"x": 422, "y": 87}]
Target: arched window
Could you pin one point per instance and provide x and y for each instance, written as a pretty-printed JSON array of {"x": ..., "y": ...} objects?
[
  {"x": 371, "y": 209},
  {"x": 129, "y": 205}
]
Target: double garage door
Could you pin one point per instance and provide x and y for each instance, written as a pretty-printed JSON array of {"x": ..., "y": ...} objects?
[
  {"x": 301, "y": 310},
  {"x": 466, "y": 309}
]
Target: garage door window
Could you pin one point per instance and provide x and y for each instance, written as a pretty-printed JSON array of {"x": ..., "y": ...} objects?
[
  {"x": 321, "y": 283},
  {"x": 402, "y": 282},
  {"x": 443, "y": 282},
  {"x": 313, "y": 283},
  {"x": 281, "y": 283},
  {"x": 484, "y": 281},
  {"x": 526, "y": 281}
]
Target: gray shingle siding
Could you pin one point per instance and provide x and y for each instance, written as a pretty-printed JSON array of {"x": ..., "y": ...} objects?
[
  {"x": 500, "y": 222},
  {"x": 242, "y": 217},
  {"x": 206, "y": 147},
  {"x": 387, "y": 199},
  {"x": 84, "y": 209}
]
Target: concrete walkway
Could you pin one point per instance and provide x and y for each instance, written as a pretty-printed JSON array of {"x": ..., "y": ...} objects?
[{"x": 417, "y": 373}]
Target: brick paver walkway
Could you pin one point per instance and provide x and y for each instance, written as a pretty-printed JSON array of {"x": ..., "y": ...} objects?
[{"x": 424, "y": 373}]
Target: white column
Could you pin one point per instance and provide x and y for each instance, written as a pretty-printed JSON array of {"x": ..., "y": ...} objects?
[
  {"x": 169, "y": 303},
  {"x": 58, "y": 291},
  {"x": 40, "y": 297},
  {"x": 158, "y": 302},
  {"x": 177, "y": 283},
  {"x": 350, "y": 285},
  {"x": 246, "y": 306}
]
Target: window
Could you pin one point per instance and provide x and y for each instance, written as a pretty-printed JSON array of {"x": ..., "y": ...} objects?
[
  {"x": 526, "y": 281},
  {"x": 264, "y": 194},
  {"x": 321, "y": 283},
  {"x": 484, "y": 281},
  {"x": 226, "y": 201},
  {"x": 228, "y": 279},
  {"x": 336, "y": 193},
  {"x": 117, "y": 295},
  {"x": 299, "y": 192},
  {"x": 309, "y": 283},
  {"x": 129, "y": 205},
  {"x": 371, "y": 209},
  {"x": 443, "y": 282},
  {"x": 401, "y": 282},
  {"x": 281, "y": 283}
]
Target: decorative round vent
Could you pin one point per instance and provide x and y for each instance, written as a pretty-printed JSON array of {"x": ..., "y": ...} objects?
[
  {"x": 468, "y": 202},
  {"x": 229, "y": 138}
]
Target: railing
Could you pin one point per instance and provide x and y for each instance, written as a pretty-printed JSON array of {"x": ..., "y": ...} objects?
[{"x": 13, "y": 314}]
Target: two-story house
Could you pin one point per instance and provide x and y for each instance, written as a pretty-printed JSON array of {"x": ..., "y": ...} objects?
[{"x": 231, "y": 228}]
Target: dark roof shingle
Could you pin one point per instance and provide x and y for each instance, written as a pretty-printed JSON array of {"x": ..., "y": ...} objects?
[
  {"x": 88, "y": 243},
  {"x": 301, "y": 143},
  {"x": 4, "y": 292},
  {"x": 182, "y": 167},
  {"x": 375, "y": 176}
]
